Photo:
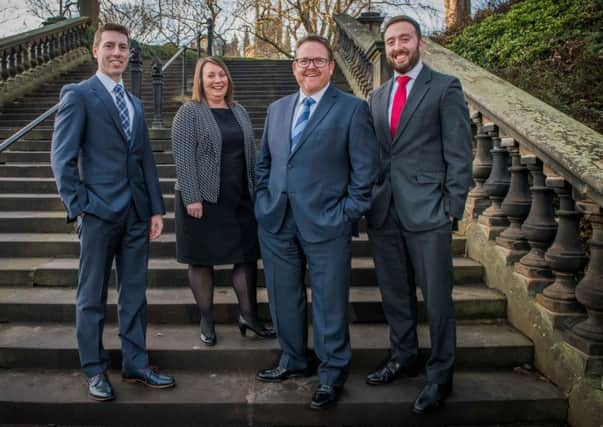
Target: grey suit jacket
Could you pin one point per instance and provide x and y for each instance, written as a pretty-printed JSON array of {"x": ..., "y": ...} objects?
[
  {"x": 426, "y": 167},
  {"x": 328, "y": 176}
]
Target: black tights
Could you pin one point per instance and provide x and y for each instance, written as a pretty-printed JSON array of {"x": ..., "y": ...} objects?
[{"x": 244, "y": 277}]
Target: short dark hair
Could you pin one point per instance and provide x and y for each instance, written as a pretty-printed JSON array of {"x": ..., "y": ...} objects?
[
  {"x": 109, "y": 26},
  {"x": 318, "y": 39},
  {"x": 403, "y": 18}
]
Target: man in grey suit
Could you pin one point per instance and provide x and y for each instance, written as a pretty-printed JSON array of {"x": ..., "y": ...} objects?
[
  {"x": 422, "y": 124},
  {"x": 315, "y": 171},
  {"x": 106, "y": 177}
]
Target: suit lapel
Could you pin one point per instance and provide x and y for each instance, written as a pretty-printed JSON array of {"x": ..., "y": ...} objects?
[
  {"x": 381, "y": 114},
  {"x": 323, "y": 107},
  {"x": 138, "y": 115},
  {"x": 101, "y": 92},
  {"x": 419, "y": 89}
]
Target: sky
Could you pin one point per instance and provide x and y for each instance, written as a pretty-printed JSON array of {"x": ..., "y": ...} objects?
[{"x": 14, "y": 17}]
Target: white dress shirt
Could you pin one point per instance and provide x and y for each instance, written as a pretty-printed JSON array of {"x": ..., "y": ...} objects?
[
  {"x": 413, "y": 74},
  {"x": 109, "y": 84}
]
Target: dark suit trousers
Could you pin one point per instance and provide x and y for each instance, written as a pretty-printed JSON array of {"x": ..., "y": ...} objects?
[
  {"x": 403, "y": 261},
  {"x": 285, "y": 255},
  {"x": 101, "y": 242}
]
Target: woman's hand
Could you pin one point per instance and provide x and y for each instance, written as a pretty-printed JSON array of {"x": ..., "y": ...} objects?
[{"x": 195, "y": 210}]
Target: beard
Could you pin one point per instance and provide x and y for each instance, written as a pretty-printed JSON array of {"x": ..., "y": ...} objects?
[{"x": 413, "y": 59}]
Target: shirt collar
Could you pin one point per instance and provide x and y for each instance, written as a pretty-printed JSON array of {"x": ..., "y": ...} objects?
[
  {"x": 413, "y": 73},
  {"x": 108, "y": 82},
  {"x": 316, "y": 97}
]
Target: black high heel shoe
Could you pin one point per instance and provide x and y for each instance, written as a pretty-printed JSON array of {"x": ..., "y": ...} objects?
[
  {"x": 208, "y": 337},
  {"x": 257, "y": 327}
]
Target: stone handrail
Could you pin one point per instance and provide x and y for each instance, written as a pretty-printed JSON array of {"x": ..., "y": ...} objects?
[
  {"x": 28, "y": 50},
  {"x": 359, "y": 55},
  {"x": 538, "y": 190}
]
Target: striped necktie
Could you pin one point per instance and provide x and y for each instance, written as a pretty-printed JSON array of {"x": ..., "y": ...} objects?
[
  {"x": 122, "y": 109},
  {"x": 301, "y": 123}
]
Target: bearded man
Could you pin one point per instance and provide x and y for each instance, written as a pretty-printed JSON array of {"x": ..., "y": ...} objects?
[{"x": 422, "y": 124}]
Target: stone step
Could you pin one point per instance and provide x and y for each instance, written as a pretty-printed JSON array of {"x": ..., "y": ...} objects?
[
  {"x": 48, "y": 202},
  {"x": 10, "y": 156},
  {"x": 44, "y": 133},
  {"x": 44, "y": 243},
  {"x": 48, "y": 185},
  {"x": 235, "y": 398},
  {"x": 176, "y": 305},
  {"x": 167, "y": 272},
  {"x": 43, "y": 170},
  {"x": 53, "y": 346}
]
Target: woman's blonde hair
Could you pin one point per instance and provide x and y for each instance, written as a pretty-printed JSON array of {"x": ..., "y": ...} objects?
[{"x": 198, "y": 93}]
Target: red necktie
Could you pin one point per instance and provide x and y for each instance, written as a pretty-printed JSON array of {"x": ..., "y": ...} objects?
[{"x": 398, "y": 105}]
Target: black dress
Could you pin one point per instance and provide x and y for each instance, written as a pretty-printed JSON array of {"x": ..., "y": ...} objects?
[{"x": 227, "y": 231}]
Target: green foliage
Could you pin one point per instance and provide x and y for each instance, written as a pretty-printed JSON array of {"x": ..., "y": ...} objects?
[
  {"x": 553, "y": 49},
  {"x": 531, "y": 30}
]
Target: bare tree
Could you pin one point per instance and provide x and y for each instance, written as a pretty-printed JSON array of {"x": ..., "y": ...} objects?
[
  {"x": 274, "y": 23},
  {"x": 45, "y": 9}
]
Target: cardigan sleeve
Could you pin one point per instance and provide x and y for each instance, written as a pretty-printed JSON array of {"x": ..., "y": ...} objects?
[{"x": 184, "y": 141}]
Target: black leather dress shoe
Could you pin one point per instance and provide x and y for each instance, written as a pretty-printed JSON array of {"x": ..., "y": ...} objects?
[
  {"x": 99, "y": 388},
  {"x": 431, "y": 397},
  {"x": 278, "y": 374},
  {"x": 149, "y": 377},
  {"x": 325, "y": 396},
  {"x": 390, "y": 371}
]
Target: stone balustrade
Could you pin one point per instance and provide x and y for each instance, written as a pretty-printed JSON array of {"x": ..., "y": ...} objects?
[
  {"x": 538, "y": 181},
  {"x": 31, "y": 59},
  {"x": 28, "y": 50}
]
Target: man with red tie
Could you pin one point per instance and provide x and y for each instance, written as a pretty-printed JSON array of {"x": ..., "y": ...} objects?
[{"x": 422, "y": 124}]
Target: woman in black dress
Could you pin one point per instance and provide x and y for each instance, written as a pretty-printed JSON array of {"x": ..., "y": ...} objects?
[{"x": 214, "y": 149}]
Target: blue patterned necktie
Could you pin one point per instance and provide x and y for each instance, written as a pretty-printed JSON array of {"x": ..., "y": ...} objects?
[
  {"x": 301, "y": 123},
  {"x": 122, "y": 109}
]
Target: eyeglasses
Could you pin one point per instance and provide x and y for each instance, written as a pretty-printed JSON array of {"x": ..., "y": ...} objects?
[{"x": 305, "y": 62}]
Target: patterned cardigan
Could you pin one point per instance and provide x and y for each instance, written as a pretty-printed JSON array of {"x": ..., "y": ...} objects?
[{"x": 197, "y": 150}]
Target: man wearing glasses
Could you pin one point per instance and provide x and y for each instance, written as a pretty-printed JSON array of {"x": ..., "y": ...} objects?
[{"x": 316, "y": 167}]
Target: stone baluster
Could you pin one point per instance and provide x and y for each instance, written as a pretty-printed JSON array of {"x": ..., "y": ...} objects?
[
  {"x": 478, "y": 199},
  {"x": 4, "y": 74},
  {"x": 496, "y": 186},
  {"x": 588, "y": 334},
  {"x": 19, "y": 51},
  {"x": 12, "y": 63},
  {"x": 157, "y": 76},
  {"x": 539, "y": 229},
  {"x": 516, "y": 205},
  {"x": 46, "y": 49},
  {"x": 566, "y": 256},
  {"x": 36, "y": 54}
]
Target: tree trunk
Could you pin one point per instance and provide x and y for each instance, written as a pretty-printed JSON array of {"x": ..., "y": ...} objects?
[{"x": 457, "y": 13}]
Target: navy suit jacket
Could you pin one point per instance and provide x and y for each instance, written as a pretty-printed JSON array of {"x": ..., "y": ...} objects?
[
  {"x": 327, "y": 178},
  {"x": 97, "y": 171}
]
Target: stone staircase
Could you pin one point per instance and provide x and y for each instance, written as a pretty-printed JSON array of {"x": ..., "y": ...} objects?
[{"x": 40, "y": 380}]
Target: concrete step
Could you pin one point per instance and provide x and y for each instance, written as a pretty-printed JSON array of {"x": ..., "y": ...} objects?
[
  {"x": 217, "y": 398},
  {"x": 176, "y": 305},
  {"x": 44, "y": 243},
  {"x": 53, "y": 346},
  {"x": 44, "y": 133},
  {"x": 10, "y": 156},
  {"x": 48, "y": 202},
  {"x": 43, "y": 170},
  {"x": 48, "y": 185},
  {"x": 167, "y": 272}
]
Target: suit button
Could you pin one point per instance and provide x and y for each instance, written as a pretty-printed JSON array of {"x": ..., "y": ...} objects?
[{"x": 289, "y": 166}]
